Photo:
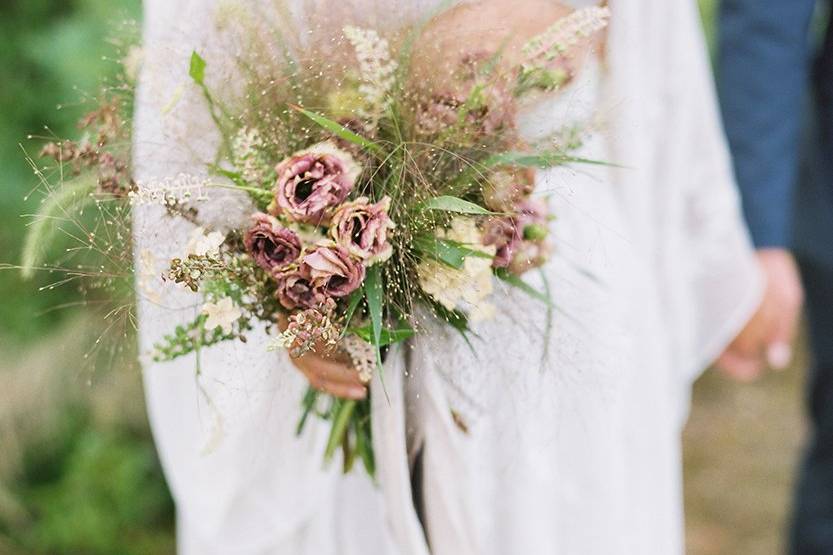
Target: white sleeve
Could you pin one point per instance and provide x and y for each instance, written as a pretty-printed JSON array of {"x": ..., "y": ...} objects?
[{"x": 242, "y": 481}]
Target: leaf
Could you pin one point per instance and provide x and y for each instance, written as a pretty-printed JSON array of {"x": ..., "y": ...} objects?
[
  {"x": 71, "y": 196},
  {"x": 307, "y": 404},
  {"x": 374, "y": 292},
  {"x": 197, "y": 68},
  {"x": 515, "y": 281},
  {"x": 352, "y": 304},
  {"x": 548, "y": 329},
  {"x": 340, "y": 424},
  {"x": 364, "y": 446},
  {"x": 339, "y": 130},
  {"x": 454, "y": 318},
  {"x": 541, "y": 160},
  {"x": 386, "y": 337},
  {"x": 235, "y": 177},
  {"x": 522, "y": 159},
  {"x": 451, "y": 253},
  {"x": 453, "y": 204}
]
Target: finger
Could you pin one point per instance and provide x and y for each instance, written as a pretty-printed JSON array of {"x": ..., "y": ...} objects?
[
  {"x": 341, "y": 390},
  {"x": 740, "y": 367},
  {"x": 779, "y": 352},
  {"x": 330, "y": 370}
]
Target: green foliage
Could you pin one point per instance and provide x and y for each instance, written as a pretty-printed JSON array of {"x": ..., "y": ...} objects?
[
  {"x": 451, "y": 253},
  {"x": 54, "y": 54},
  {"x": 453, "y": 204},
  {"x": 197, "y": 69},
  {"x": 375, "y": 295},
  {"x": 93, "y": 492},
  {"x": 339, "y": 130},
  {"x": 187, "y": 339},
  {"x": 84, "y": 489},
  {"x": 517, "y": 282},
  {"x": 68, "y": 198},
  {"x": 386, "y": 336}
]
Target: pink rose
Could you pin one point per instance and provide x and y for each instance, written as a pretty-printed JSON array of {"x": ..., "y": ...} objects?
[
  {"x": 520, "y": 239},
  {"x": 332, "y": 271},
  {"x": 493, "y": 110},
  {"x": 362, "y": 228},
  {"x": 505, "y": 235},
  {"x": 313, "y": 181},
  {"x": 272, "y": 246},
  {"x": 296, "y": 290}
]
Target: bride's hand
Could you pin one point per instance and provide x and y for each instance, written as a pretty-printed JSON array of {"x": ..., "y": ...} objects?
[
  {"x": 329, "y": 372},
  {"x": 331, "y": 375}
]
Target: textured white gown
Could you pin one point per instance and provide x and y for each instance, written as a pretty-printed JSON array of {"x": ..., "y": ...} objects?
[{"x": 572, "y": 447}]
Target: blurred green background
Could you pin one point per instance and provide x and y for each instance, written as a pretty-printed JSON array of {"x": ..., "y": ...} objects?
[{"x": 78, "y": 471}]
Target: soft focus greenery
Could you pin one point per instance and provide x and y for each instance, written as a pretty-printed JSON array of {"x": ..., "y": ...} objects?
[{"x": 78, "y": 472}]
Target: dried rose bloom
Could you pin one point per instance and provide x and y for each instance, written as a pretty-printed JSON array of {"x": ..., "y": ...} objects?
[
  {"x": 272, "y": 246},
  {"x": 489, "y": 106},
  {"x": 362, "y": 228},
  {"x": 313, "y": 181},
  {"x": 295, "y": 290},
  {"x": 520, "y": 239},
  {"x": 333, "y": 271},
  {"x": 504, "y": 234}
]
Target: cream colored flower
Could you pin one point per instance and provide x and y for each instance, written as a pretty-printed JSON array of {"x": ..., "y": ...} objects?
[
  {"x": 465, "y": 288},
  {"x": 221, "y": 314},
  {"x": 202, "y": 244}
]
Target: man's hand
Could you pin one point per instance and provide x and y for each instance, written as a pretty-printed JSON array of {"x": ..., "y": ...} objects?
[{"x": 768, "y": 337}]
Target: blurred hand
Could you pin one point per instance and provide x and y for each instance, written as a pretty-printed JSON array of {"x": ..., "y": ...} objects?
[
  {"x": 329, "y": 372},
  {"x": 768, "y": 337}
]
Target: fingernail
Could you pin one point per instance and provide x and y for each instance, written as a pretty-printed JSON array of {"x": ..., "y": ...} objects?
[{"x": 779, "y": 355}]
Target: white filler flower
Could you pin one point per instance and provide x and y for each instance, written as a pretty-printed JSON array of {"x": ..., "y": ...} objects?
[
  {"x": 202, "y": 244},
  {"x": 221, "y": 314}
]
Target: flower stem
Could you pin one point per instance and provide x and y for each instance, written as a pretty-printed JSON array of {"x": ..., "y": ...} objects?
[{"x": 340, "y": 426}]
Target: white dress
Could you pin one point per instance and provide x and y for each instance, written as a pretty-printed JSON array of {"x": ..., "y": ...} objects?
[{"x": 572, "y": 447}]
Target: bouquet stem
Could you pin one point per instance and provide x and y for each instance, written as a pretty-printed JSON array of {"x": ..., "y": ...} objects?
[{"x": 341, "y": 422}]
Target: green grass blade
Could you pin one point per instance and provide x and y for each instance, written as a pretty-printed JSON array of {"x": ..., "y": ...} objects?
[
  {"x": 447, "y": 203},
  {"x": 517, "y": 282},
  {"x": 374, "y": 293},
  {"x": 341, "y": 423},
  {"x": 71, "y": 196},
  {"x": 339, "y": 130}
]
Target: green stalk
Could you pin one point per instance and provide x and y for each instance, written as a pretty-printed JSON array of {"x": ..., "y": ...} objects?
[{"x": 340, "y": 424}]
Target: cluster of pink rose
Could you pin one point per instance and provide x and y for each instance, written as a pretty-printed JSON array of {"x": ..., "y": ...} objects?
[
  {"x": 311, "y": 190},
  {"x": 520, "y": 233}
]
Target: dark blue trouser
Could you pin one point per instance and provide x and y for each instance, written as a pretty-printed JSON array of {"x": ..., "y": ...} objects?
[{"x": 812, "y": 524}]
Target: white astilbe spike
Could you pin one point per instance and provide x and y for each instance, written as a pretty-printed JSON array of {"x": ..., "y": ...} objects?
[
  {"x": 566, "y": 33},
  {"x": 377, "y": 73}
]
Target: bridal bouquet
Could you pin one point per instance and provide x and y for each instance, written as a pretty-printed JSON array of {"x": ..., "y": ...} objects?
[{"x": 379, "y": 196}]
